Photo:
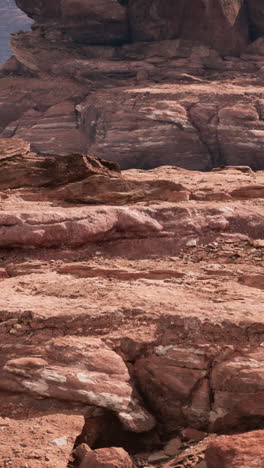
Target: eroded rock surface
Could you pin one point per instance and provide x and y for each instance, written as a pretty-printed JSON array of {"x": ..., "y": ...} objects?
[{"x": 132, "y": 301}]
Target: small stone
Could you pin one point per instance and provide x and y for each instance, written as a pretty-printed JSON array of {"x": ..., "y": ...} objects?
[
  {"x": 258, "y": 243},
  {"x": 191, "y": 243},
  {"x": 193, "y": 434},
  {"x": 60, "y": 442},
  {"x": 172, "y": 447},
  {"x": 157, "y": 457}
]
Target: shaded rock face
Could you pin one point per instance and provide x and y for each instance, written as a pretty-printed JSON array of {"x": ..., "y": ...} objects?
[
  {"x": 221, "y": 24},
  {"x": 101, "y": 22}
]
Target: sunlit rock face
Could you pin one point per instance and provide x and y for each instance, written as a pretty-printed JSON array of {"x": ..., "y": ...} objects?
[{"x": 12, "y": 19}]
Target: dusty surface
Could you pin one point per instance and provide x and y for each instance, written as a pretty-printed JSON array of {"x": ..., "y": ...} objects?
[{"x": 147, "y": 309}]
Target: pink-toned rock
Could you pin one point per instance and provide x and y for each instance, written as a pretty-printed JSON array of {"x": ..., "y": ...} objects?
[
  {"x": 236, "y": 384},
  {"x": 95, "y": 375}
]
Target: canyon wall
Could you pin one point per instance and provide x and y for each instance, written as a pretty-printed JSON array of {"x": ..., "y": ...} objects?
[{"x": 144, "y": 83}]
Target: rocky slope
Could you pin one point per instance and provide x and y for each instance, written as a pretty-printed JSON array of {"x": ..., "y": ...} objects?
[
  {"x": 132, "y": 302},
  {"x": 141, "y": 83}
]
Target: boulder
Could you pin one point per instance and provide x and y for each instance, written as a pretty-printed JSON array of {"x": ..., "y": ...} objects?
[
  {"x": 112, "y": 457},
  {"x": 237, "y": 451}
]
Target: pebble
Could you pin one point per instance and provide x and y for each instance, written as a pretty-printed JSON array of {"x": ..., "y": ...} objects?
[
  {"x": 172, "y": 447},
  {"x": 191, "y": 243},
  {"x": 60, "y": 442},
  {"x": 157, "y": 457}
]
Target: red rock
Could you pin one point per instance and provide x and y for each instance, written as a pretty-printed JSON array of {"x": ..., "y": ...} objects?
[
  {"x": 237, "y": 451},
  {"x": 161, "y": 377},
  {"x": 250, "y": 191},
  {"x": 22, "y": 168},
  {"x": 256, "y": 281},
  {"x": 112, "y": 457},
  {"x": 82, "y": 451}
]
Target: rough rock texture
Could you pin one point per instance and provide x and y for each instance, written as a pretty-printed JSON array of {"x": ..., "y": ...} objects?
[
  {"x": 113, "y": 457},
  {"x": 142, "y": 83},
  {"x": 239, "y": 451},
  {"x": 131, "y": 301}
]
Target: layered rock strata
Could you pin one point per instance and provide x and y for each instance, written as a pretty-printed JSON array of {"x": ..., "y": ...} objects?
[
  {"x": 141, "y": 84},
  {"x": 146, "y": 320}
]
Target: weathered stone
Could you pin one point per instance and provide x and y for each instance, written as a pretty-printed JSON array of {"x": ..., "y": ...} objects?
[
  {"x": 112, "y": 457},
  {"x": 95, "y": 376},
  {"x": 237, "y": 451}
]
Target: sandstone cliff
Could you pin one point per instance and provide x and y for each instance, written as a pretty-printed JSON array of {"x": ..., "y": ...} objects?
[{"x": 142, "y": 83}]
